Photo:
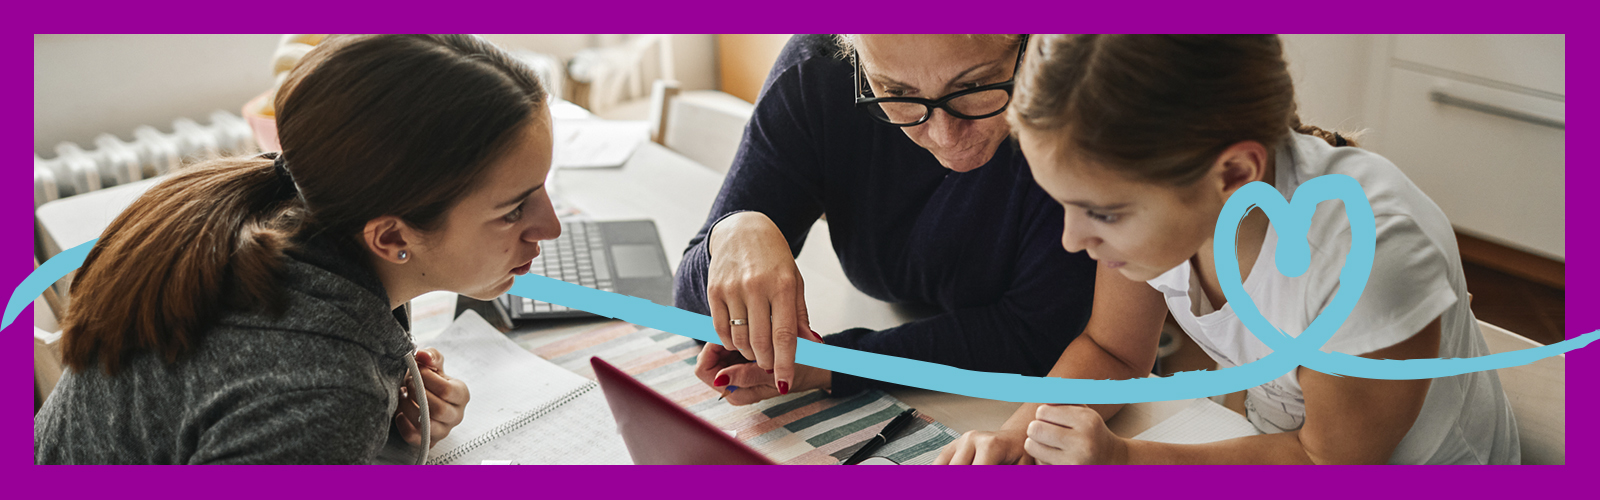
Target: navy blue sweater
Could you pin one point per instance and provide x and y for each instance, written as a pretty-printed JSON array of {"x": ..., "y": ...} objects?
[{"x": 982, "y": 246}]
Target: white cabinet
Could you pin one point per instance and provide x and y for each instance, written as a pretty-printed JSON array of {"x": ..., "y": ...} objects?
[
  {"x": 1477, "y": 121},
  {"x": 1535, "y": 62}
]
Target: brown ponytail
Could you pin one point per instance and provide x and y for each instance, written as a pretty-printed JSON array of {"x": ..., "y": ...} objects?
[
  {"x": 160, "y": 273},
  {"x": 371, "y": 125},
  {"x": 1334, "y": 138},
  {"x": 1159, "y": 108}
]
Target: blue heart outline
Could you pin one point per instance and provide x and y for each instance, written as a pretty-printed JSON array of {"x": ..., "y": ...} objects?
[
  {"x": 1293, "y": 256},
  {"x": 1292, "y": 220}
]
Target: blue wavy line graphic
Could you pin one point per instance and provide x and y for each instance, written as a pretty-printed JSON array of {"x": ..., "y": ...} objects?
[{"x": 1289, "y": 352}]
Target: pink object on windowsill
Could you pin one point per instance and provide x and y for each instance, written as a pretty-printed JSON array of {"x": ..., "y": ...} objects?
[{"x": 265, "y": 127}]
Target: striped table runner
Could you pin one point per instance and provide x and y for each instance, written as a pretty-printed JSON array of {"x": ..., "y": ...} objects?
[{"x": 801, "y": 428}]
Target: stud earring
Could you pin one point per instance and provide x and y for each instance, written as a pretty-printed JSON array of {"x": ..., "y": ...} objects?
[{"x": 403, "y": 255}]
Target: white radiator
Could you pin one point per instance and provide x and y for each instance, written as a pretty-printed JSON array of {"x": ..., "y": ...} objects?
[{"x": 75, "y": 171}]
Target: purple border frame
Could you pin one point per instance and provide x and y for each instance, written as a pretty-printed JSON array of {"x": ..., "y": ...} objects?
[{"x": 16, "y": 195}]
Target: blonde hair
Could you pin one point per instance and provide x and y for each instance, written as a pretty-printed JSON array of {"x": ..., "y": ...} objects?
[{"x": 847, "y": 43}]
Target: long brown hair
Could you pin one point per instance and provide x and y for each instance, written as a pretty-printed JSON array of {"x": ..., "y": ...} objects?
[
  {"x": 1159, "y": 108},
  {"x": 370, "y": 125}
]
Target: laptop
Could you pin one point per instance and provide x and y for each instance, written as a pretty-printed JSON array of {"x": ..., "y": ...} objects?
[
  {"x": 625, "y": 257},
  {"x": 659, "y": 432}
]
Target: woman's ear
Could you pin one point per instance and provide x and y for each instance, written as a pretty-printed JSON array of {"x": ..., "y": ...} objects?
[
  {"x": 389, "y": 238},
  {"x": 1241, "y": 164}
]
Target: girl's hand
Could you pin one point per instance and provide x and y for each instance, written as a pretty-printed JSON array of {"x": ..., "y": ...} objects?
[
  {"x": 1073, "y": 434},
  {"x": 752, "y": 278},
  {"x": 724, "y": 370},
  {"x": 1002, "y": 447},
  {"x": 447, "y": 400}
]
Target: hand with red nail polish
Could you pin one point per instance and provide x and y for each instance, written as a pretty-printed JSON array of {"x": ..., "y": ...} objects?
[
  {"x": 721, "y": 369},
  {"x": 752, "y": 279}
]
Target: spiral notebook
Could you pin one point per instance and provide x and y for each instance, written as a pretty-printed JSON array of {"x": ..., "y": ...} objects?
[{"x": 524, "y": 409}]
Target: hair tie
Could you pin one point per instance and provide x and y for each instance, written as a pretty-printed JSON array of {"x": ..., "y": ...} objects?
[
  {"x": 1338, "y": 141},
  {"x": 286, "y": 186}
]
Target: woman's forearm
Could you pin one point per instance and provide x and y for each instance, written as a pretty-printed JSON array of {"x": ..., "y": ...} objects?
[{"x": 1083, "y": 359}]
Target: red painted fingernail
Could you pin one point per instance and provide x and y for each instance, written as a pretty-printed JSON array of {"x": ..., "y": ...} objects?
[
  {"x": 769, "y": 371},
  {"x": 720, "y": 381},
  {"x": 783, "y": 387}
]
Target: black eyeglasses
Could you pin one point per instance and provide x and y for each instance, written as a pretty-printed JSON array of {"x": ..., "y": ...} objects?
[{"x": 972, "y": 104}]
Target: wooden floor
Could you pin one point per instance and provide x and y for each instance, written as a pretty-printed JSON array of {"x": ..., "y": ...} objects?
[{"x": 1524, "y": 307}]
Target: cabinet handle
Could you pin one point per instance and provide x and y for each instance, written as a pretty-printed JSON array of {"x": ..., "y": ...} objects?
[{"x": 1441, "y": 97}]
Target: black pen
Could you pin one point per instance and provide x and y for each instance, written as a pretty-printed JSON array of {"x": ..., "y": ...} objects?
[{"x": 895, "y": 426}]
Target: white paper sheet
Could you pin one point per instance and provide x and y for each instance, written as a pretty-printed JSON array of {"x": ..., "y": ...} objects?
[
  {"x": 595, "y": 143},
  {"x": 1204, "y": 421}
]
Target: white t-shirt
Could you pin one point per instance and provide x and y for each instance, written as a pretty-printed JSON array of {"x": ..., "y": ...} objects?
[{"x": 1416, "y": 277}]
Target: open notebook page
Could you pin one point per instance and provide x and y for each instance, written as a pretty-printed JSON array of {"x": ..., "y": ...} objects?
[
  {"x": 1204, "y": 421},
  {"x": 523, "y": 409}
]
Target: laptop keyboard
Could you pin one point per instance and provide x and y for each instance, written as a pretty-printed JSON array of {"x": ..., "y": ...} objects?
[{"x": 578, "y": 256}]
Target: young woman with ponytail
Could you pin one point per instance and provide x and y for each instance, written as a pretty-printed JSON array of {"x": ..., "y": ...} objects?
[
  {"x": 1142, "y": 138},
  {"x": 248, "y": 310}
]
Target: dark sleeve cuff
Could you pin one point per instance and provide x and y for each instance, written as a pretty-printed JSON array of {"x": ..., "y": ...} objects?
[
  {"x": 689, "y": 286},
  {"x": 844, "y": 384},
  {"x": 713, "y": 227}
]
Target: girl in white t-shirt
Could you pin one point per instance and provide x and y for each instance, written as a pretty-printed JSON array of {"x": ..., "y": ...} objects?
[{"x": 1143, "y": 138}]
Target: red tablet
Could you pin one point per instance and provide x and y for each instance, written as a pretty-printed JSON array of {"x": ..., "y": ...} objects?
[{"x": 658, "y": 431}]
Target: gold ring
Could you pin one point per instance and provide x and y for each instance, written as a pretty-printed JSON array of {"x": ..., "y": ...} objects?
[{"x": 736, "y": 322}]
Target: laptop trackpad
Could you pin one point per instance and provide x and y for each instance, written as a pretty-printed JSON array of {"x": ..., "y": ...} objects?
[{"x": 637, "y": 261}]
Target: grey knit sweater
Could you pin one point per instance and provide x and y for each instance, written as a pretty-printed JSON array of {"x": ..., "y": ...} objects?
[{"x": 317, "y": 385}]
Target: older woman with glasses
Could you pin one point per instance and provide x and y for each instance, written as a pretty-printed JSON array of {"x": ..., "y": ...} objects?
[{"x": 898, "y": 139}]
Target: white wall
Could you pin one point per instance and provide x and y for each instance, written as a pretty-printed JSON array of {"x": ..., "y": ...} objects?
[
  {"x": 696, "y": 60},
  {"x": 85, "y": 85},
  {"x": 1330, "y": 78}
]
